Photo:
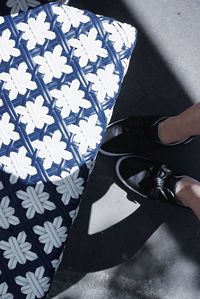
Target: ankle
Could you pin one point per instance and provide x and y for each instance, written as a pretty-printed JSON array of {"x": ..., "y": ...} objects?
[{"x": 187, "y": 191}]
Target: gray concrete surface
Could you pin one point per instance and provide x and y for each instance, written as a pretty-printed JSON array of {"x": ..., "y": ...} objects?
[{"x": 122, "y": 246}]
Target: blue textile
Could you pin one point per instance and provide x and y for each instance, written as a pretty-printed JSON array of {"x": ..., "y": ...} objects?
[{"x": 60, "y": 74}]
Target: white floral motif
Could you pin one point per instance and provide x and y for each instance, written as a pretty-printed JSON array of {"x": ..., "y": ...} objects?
[
  {"x": 7, "y": 132},
  {"x": 88, "y": 47},
  {"x": 87, "y": 133},
  {"x": 108, "y": 113},
  {"x": 4, "y": 291},
  {"x": 7, "y": 46},
  {"x": 69, "y": 185},
  {"x": 18, "y": 165},
  {"x": 70, "y": 98},
  {"x": 52, "y": 149},
  {"x": 128, "y": 33},
  {"x": 35, "y": 115},
  {"x": 52, "y": 234},
  {"x": 16, "y": 250},
  {"x": 90, "y": 165},
  {"x": 114, "y": 35},
  {"x": 120, "y": 34},
  {"x": 36, "y": 31},
  {"x": 105, "y": 82},
  {"x": 7, "y": 214},
  {"x": 35, "y": 200},
  {"x": 56, "y": 263},
  {"x": 53, "y": 64},
  {"x": 18, "y": 81},
  {"x": 1, "y": 20},
  {"x": 73, "y": 214},
  {"x": 125, "y": 64},
  {"x": 1, "y": 186},
  {"x": 23, "y": 5},
  {"x": 70, "y": 16},
  {"x": 34, "y": 285}
]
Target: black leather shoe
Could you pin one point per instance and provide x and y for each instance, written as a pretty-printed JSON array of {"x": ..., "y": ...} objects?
[
  {"x": 134, "y": 135},
  {"x": 148, "y": 179}
]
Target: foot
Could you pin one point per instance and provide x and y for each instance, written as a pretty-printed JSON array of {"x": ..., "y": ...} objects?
[
  {"x": 188, "y": 191},
  {"x": 149, "y": 179},
  {"x": 134, "y": 135}
]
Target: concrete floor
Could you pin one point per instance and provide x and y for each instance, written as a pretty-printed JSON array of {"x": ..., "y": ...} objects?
[{"x": 122, "y": 246}]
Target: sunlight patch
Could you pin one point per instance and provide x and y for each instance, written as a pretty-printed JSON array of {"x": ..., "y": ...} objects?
[{"x": 110, "y": 209}]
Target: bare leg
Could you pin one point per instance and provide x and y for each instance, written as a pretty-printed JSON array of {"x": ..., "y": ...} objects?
[
  {"x": 177, "y": 128},
  {"x": 181, "y": 126}
]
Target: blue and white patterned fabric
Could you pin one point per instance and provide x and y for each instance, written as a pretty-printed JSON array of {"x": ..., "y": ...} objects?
[{"x": 60, "y": 73}]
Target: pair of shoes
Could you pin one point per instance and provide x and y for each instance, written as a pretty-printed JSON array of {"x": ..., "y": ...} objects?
[{"x": 138, "y": 135}]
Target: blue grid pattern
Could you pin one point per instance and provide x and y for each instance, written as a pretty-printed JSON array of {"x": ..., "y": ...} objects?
[{"x": 55, "y": 103}]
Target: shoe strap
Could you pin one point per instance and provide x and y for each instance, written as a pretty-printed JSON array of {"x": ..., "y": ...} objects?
[
  {"x": 165, "y": 185},
  {"x": 159, "y": 180}
]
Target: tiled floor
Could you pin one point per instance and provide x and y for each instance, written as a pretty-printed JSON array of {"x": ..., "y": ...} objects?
[{"x": 122, "y": 246}]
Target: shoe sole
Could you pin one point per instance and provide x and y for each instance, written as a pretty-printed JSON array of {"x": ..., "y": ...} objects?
[
  {"x": 111, "y": 154},
  {"x": 117, "y": 166}
]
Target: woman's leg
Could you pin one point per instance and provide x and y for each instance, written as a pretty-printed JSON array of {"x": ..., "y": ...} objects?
[
  {"x": 177, "y": 128},
  {"x": 181, "y": 126},
  {"x": 188, "y": 192}
]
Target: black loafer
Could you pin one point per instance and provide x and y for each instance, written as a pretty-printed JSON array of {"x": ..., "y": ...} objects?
[
  {"x": 148, "y": 179},
  {"x": 134, "y": 135}
]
